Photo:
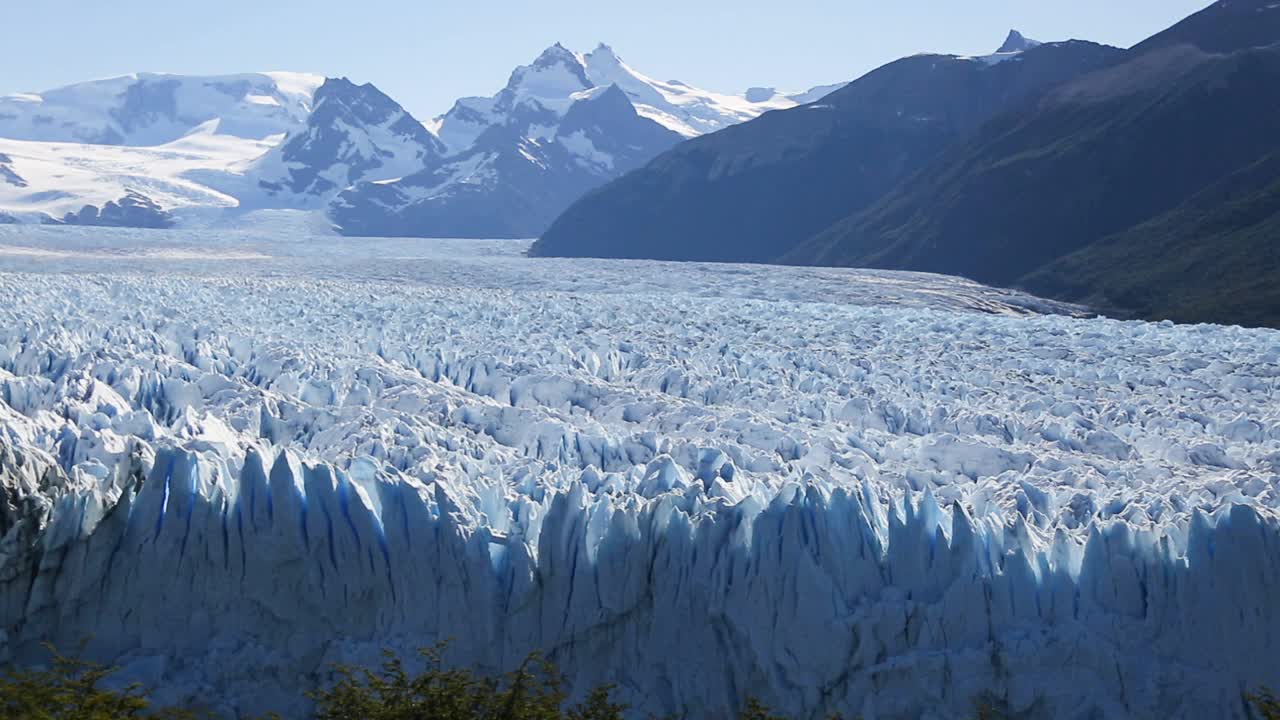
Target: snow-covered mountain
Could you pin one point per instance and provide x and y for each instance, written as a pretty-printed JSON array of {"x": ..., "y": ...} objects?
[
  {"x": 747, "y": 194},
  {"x": 47, "y": 181},
  {"x": 150, "y": 109},
  {"x": 761, "y": 95},
  {"x": 151, "y": 150},
  {"x": 161, "y": 146},
  {"x": 1017, "y": 42},
  {"x": 558, "y": 77},
  {"x": 355, "y": 132},
  {"x": 564, "y": 124},
  {"x": 515, "y": 178}
]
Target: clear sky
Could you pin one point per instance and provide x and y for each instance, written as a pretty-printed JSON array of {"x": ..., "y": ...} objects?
[{"x": 426, "y": 53}]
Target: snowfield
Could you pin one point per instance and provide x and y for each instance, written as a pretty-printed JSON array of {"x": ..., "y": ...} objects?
[{"x": 231, "y": 458}]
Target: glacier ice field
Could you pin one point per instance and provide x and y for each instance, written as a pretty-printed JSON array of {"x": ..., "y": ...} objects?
[{"x": 230, "y": 458}]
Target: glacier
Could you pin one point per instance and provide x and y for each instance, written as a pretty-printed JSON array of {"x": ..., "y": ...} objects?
[{"x": 228, "y": 460}]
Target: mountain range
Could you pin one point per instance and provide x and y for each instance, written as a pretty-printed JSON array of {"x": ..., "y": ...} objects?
[
  {"x": 153, "y": 150},
  {"x": 563, "y": 125},
  {"x": 751, "y": 192},
  {"x": 1141, "y": 181}
]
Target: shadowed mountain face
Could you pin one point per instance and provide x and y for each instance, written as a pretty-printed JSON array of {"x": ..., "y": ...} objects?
[
  {"x": 1214, "y": 258},
  {"x": 753, "y": 191},
  {"x": 1167, "y": 143},
  {"x": 1017, "y": 42},
  {"x": 1071, "y": 145},
  {"x": 1100, "y": 156},
  {"x": 1223, "y": 27},
  {"x": 354, "y": 131},
  {"x": 7, "y": 173},
  {"x": 133, "y": 210}
]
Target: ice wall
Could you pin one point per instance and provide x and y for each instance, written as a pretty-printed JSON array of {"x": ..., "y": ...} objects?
[{"x": 245, "y": 584}]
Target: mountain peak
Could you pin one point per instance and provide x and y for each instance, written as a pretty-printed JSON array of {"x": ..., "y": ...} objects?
[
  {"x": 555, "y": 53},
  {"x": 552, "y": 78},
  {"x": 603, "y": 56},
  {"x": 1017, "y": 42}
]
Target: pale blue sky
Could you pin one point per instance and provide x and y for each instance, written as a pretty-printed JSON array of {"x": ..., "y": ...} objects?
[{"x": 429, "y": 52}]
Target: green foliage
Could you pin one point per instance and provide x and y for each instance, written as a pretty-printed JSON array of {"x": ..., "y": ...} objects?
[
  {"x": 1265, "y": 705},
  {"x": 534, "y": 691},
  {"x": 755, "y": 710},
  {"x": 598, "y": 706},
  {"x": 1215, "y": 258},
  {"x": 71, "y": 689}
]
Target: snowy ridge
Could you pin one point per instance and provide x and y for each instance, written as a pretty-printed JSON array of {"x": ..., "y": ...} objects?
[
  {"x": 177, "y": 146},
  {"x": 354, "y": 133},
  {"x": 154, "y": 109},
  {"x": 59, "y": 178},
  {"x": 559, "y": 77},
  {"x": 563, "y": 125},
  {"x": 1014, "y": 45},
  {"x": 676, "y": 106},
  {"x": 1017, "y": 42},
  {"x": 152, "y": 150},
  {"x": 869, "y": 500}
]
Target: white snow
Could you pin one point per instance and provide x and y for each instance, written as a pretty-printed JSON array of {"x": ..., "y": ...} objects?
[
  {"x": 296, "y": 85},
  {"x": 574, "y": 77},
  {"x": 187, "y": 147},
  {"x": 460, "y": 128},
  {"x": 991, "y": 59},
  {"x": 252, "y": 105},
  {"x": 398, "y": 155},
  {"x": 1014, "y": 45},
  {"x": 815, "y": 94},
  {"x": 475, "y": 168},
  {"x": 64, "y": 177},
  {"x": 581, "y": 146},
  {"x": 198, "y": 146},
  {"x": 687, "y": 110},
  {"x": 878, "y": 493},
  {"x": 550, "y": 86}
]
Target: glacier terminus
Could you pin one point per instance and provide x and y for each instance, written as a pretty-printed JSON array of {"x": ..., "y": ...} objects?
[{"x": 230, "y": 458}]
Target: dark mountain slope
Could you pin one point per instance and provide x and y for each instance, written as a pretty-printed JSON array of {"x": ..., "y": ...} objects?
[
  {"x": 1138, "y": 187},
  {"x": 1223, "y": 27},
  {"x": 1100, "y": 155},
  {"x": 750, "y": 192},
  {"x": 1216, "y": 258}
]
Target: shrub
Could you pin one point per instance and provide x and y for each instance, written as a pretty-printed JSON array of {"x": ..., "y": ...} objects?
[
  {"x": 534, "y": 691},
  {"x": 1266, "y": 705},
  {"x": 71, "y": 689}
]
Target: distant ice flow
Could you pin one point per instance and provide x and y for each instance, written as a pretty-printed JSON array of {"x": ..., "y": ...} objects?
[{"x": 231, "y": 459}]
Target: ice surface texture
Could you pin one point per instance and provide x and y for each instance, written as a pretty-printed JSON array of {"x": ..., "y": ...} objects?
[{"x": 230, "y": 463}]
